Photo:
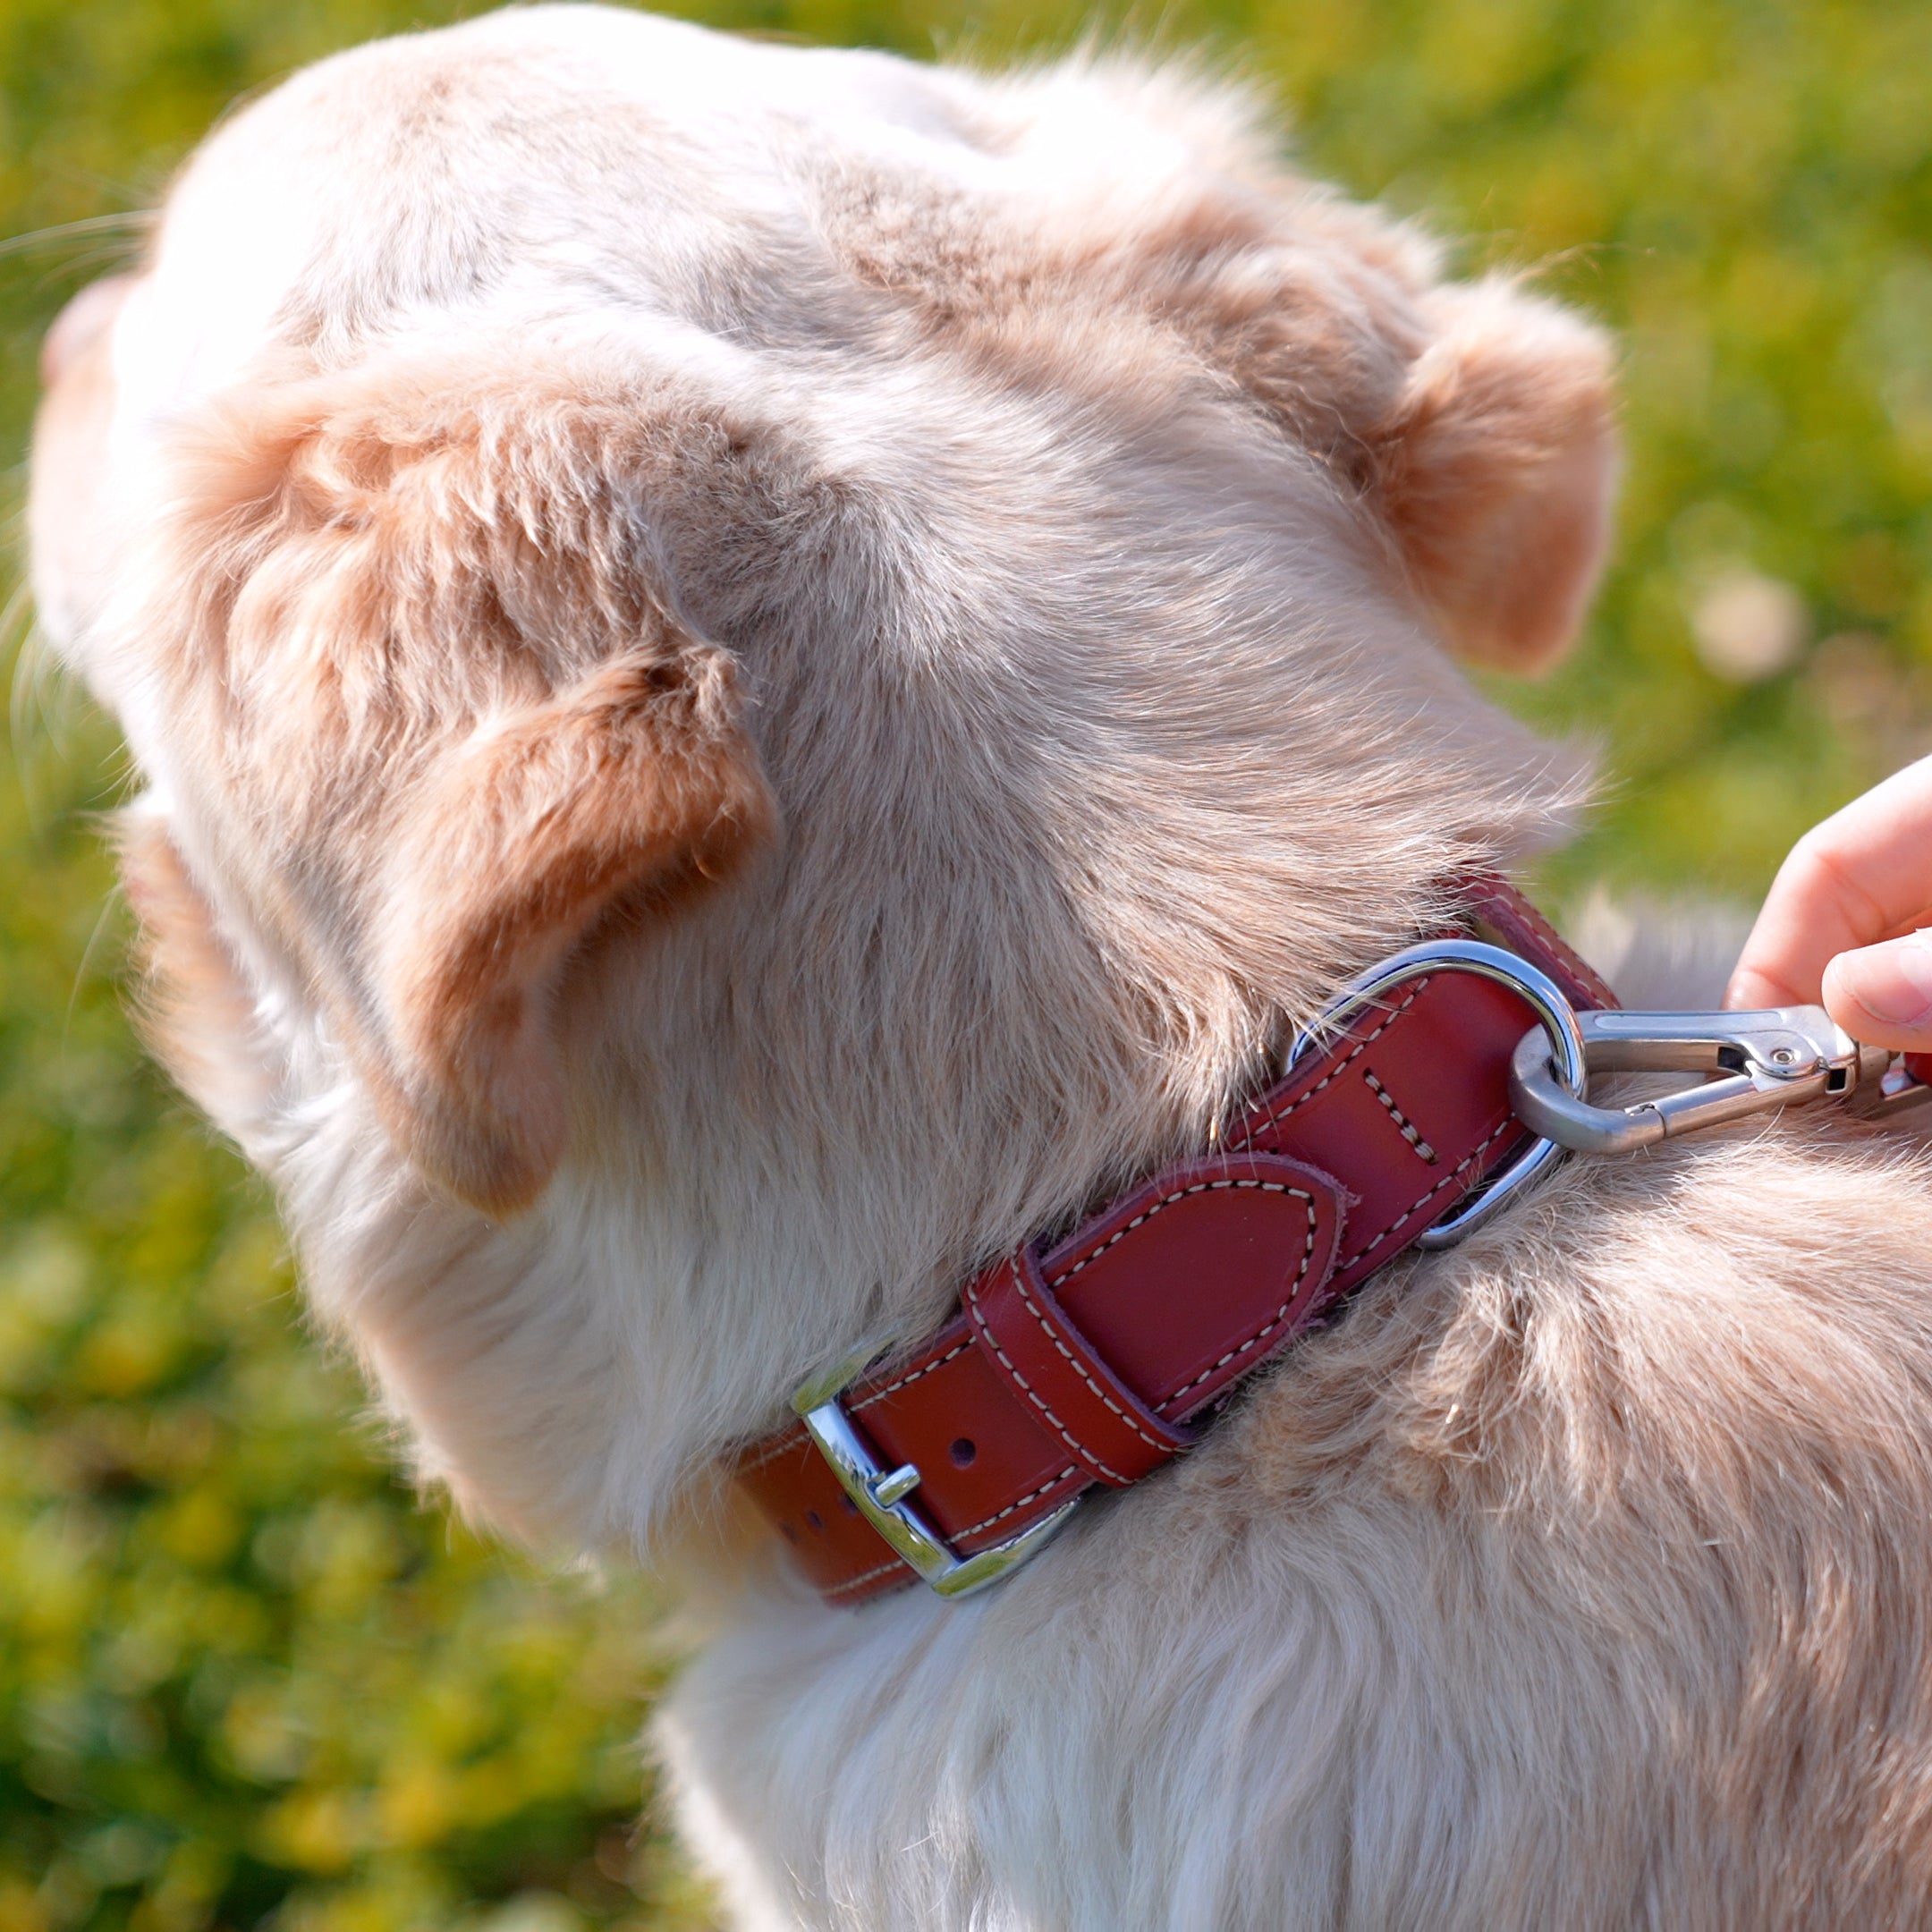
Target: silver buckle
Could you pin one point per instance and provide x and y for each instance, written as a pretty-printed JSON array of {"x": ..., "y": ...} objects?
[
  {"x": 1556, "y": 1024},
  {"x": 1768, "y": 1057},
  {"x": 879, "y": 1495}
]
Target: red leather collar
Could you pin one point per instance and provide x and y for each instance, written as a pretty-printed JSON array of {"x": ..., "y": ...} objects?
[{"x": 1094, "y": 1361}]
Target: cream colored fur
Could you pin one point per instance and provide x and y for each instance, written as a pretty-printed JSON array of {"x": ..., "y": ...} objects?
[{"x": 759, "y": 673}]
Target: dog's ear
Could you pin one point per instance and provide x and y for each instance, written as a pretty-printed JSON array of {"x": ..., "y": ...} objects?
[
  {"x": 1495, "y": 469},
  {"x": 1473, "y": 419},
  {"x": 632, "y": 785},
  {"x": 449, "y": 722}
]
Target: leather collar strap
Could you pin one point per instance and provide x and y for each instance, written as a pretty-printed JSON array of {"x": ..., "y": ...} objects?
[{"x": 1091, "y": 1362}]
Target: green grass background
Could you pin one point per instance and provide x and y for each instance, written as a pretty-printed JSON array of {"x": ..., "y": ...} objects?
[{"x": 244, "y": 1680}]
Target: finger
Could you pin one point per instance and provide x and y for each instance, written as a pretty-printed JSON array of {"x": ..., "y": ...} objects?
[
  {"x": 1883, "y": 995},
  {"x": 1860, "y": 877},
  {"x": 1815, "y": 911}
]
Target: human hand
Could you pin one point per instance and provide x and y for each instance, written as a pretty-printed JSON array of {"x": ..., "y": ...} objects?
[{"x": 1838, "y": 922}]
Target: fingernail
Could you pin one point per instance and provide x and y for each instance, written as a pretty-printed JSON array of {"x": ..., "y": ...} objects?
[{"x": 1892, "y": 982}]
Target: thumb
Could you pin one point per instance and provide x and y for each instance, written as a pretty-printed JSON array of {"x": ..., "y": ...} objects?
[{"x": 1882, "y": 995}]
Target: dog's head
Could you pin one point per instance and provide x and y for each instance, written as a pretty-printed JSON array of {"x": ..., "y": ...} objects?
[{"x": 831, "y": 648}]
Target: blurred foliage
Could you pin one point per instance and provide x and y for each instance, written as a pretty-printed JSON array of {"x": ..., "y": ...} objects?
[{"x": 244, "y": 1680}]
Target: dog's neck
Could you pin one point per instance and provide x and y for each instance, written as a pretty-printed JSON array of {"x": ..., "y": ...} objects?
[{"x": 581, "y": 1371}]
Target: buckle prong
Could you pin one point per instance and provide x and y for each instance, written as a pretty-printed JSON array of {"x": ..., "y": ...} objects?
[{"x": 896, "y": 1486}]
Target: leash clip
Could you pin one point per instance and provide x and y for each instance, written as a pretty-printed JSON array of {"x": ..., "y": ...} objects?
[{"x": 1772, "y": 1057}]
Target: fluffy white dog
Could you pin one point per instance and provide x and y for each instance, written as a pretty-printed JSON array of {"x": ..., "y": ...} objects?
[{"x": 761, "y": 673}]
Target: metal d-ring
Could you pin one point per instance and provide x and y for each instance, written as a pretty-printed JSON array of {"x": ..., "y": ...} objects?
[{"x": 1538, "y": 991}]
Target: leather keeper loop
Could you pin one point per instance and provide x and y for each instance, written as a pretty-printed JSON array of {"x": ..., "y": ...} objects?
[{"x": 1059, "y": 1379}]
